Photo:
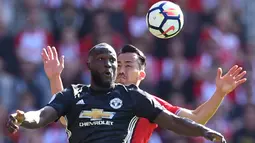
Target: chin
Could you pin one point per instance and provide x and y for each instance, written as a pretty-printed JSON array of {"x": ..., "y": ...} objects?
[
  {"x": 121, "y": 81},
  {"x": 107, "y": 84}
]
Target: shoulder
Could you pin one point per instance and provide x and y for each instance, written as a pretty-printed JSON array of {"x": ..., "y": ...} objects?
[
  {"x": 130, "y": 89},
  {"x": 121, "y": 87},
  {"x": 135, "y": 90},
  {"x": 77, "y": 89},
  {"x": 161, "y": 101}
]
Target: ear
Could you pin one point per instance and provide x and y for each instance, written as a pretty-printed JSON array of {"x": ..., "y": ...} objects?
[
  {"x": 142, "y": 75},
  {"x": 88, "y": 65}
]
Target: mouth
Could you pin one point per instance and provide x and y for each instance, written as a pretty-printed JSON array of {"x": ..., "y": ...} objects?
[
  {"x": 107, "y": 73},
  {"x": 121, "y": 77}
]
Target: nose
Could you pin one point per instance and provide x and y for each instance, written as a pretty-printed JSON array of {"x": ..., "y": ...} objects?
[
  {"x": 120, "y": 69},
  {"x": 107, "y": 64}
]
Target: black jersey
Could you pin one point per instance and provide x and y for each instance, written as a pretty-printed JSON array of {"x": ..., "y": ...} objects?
[{"x": 103, "y": 117}]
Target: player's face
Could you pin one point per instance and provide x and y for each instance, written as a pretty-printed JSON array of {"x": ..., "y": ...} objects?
[
  {"x": 128, "y": 69},
  {"x": 103, "y": 66}
]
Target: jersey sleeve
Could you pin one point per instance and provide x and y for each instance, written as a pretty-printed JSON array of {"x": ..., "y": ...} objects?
[
  {"x": 61, "y": 101},
  {"x": 173, "y": 109},
  {"x": 145, "y": 105}
]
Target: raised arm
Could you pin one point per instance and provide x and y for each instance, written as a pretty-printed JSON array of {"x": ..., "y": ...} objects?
[
  {"x": 156, "y": 113},
  {"x": 224, "y": 85},
  {"x": 53, "y": 68}
]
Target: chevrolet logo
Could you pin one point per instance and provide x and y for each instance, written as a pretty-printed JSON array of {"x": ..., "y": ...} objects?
[{"x": 96, "y": 114}]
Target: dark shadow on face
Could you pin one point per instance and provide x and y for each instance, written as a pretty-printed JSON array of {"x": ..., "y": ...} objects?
[{"x": 103, "y": 65}]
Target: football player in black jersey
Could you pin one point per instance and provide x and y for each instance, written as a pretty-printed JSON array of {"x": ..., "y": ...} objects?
[{"x": 105, "y": 111}]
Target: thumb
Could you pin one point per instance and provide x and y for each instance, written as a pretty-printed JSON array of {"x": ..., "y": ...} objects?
[
  {"x": 219, "y": 73},
  {"x": 62, "y": 61},
  {"x": 19, "y": 112},
  {"x": 20, "y": 116}
]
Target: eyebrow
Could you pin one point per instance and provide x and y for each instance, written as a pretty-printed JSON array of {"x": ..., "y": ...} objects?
[{"x": 126, "y": 62}]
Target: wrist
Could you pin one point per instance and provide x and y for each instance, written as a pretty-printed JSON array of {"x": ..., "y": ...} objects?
[
  {"x": 55, "y": 77},
  {"x": 220, "y": 93},
  {"x": 205, "y": 131}
]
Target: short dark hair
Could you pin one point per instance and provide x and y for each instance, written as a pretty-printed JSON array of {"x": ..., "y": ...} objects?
[{"x": 132, "y": 49}]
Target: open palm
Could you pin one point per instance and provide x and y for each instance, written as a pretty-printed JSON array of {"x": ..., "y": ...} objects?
[
  {"x": 232, "y": 79},
  {"x": 52, "y": 65}
]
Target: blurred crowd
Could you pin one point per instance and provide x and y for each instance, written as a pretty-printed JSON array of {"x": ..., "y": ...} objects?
[{"x": 181, "y": 70}]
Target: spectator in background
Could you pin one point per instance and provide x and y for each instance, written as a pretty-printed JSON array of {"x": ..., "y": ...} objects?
[
  {"x": 74, "y": 61},
  {"x": 32, "y": 39},
  {"x": 29, "y": 44},
  {"x": 7, "y": 13},
  {"x": 102, "y": 32},
  {"x": 137, "y": 23},
  {"x": 250, "y": 65},
  {"x": 3, "y": 134},
  {"x": 8, "y": 97},
  {"x": 117, "y": 16},
  {"x": 23, "y": 10},
  {"x": 67, "y": 15},
  {"x": 227, "y": 41},
  {"x": 7, "y": 49},
  {"x": 153, "y": 65},
  {"x": 27, "y": 102},
  {"x": 155, "y": 138},
  {"x": 247, "y": 133},
  {"x": 175, "y": 68},
  {"x": 57, "y": 131}
]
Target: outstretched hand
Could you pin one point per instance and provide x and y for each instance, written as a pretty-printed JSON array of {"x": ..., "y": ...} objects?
[
  {"x": 53, "y": 67},
  {"x": 15, "y": 120},
  {"x": 215, "y": 136},
  {"x": 232, "y": 79}
]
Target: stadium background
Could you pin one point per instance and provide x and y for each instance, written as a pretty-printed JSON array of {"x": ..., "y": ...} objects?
[{"x": 180, "y": 70}]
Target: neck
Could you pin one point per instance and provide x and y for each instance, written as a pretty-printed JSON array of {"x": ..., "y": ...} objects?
[
  {"x": 137, "y": 83},
  {"x": 96, "y": 87}
]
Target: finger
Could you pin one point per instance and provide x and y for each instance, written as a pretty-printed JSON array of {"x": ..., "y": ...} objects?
[
  {"x": 44, "y": 58},
  {"x": 219, "y": 73},
  {"x": 213, "y": 140},
  {"x": 19, "y": 112},
  {"x": 45, "y": 53},
  {"x": 236, "y": 72},
  {"x": 55, "y": 53},
  {"x": 11, "y": 130},
  {"x": 62, "y": 61},
  {"x": 223, "y": 140},
  {"x": 50, "y": 53},
  {"x": 241, "y": 75},
  {"x": 11, "y": 126},
  {"x": 12, "y": 118},
  {"x": 232, "y": 70},
  {"x": 210, "y": 137},
  {"x": 241, "y": 81}
]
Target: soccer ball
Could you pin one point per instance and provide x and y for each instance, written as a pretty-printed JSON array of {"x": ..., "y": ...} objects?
[{"x": 165, "y": 19}]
